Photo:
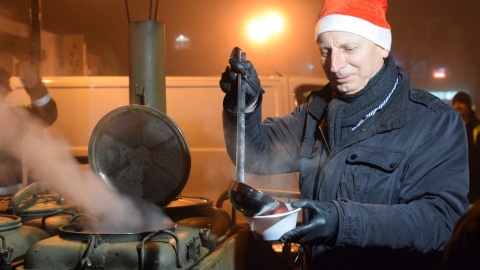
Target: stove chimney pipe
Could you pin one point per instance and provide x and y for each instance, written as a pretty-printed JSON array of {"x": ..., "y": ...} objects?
[
  {"x": 147, "y": 64},
  {"x": 35, "y": 11}
]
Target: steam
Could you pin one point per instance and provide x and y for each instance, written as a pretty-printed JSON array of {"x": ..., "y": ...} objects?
[{"x": 48, "y": 158}]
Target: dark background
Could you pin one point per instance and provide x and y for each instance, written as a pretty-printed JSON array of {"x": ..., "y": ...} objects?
[{"x": 427, "y": 34}]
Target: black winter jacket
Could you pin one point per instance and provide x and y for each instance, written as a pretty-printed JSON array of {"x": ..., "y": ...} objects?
[{"x": 399, "y": 181}]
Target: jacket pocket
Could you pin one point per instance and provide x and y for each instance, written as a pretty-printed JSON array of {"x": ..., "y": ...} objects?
[{"x": 369, "y": 175}]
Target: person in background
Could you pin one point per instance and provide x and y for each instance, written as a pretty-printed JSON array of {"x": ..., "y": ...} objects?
[
  {"x": 383, "y": 166},
  {"x": 42, "y": 107},
  {"x": 463, "y": 249},
  {"x": 462, "y": 102}
]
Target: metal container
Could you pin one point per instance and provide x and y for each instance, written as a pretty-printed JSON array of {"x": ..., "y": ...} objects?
[
  {"x": 200, "y": 213},
  {"x": 39, "y": 208},
  {"x": 16, "y": 239},
  {"x": 74, "y": 248}
]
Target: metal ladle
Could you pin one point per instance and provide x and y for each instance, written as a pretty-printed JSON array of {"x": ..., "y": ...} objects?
[{"x": 246, "y": 199}]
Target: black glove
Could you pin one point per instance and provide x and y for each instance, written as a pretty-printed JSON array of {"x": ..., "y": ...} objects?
[
  {"x": 321, "y": 229},
  {"x": 250, "y": 81}
]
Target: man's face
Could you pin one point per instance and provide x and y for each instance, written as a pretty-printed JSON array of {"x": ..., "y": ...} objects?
[
  {"x": 349, "y": 60},
  {"x": 462, "y": 108}
]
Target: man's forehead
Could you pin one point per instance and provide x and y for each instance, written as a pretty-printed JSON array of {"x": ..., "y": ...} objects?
[{"x": 340, "y": 38}]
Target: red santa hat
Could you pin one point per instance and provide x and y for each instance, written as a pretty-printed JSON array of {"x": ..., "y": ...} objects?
[{"x": 362, "y": 17}]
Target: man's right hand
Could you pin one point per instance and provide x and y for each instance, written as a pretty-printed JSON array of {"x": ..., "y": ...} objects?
[{"x": 250, "y": 81}]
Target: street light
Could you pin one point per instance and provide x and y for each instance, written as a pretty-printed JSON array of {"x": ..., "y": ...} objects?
[{"x": 262, "y": 28}]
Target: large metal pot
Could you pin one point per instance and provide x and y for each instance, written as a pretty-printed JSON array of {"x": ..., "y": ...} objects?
[
  {"x": 200, "y": 213},
  {"x": 77, "y": 248},
  {"x": 39, "y": 208},
  {"x": 16, "y": 239}
]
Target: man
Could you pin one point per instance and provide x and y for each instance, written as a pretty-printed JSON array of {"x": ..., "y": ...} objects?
[
  {"x": 42, "y": 107},
  {"x": 463, "y": 104},
  {"x": 383, "y": 165}
]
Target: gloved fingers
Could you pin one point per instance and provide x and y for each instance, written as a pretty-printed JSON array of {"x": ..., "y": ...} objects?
[
  {"x": 244, "y": 67},
  {"x": 303, "y": 203},
  {"x": 249, "y": 91},
  {"x": 319, "y": 207},
  {"x": 235, "y": 53},
  {"x": 292, "y": 236},
  {"x": 253, "y": 81},
  {"x": 312, "y": 232},
  {"x": 249, "y": 75},
  {"x": 308, "y": 204},
  {"x": 228, "y": 75},
  {"x": 297, "y": 235},
  {"x": 227, "y": 80},
  {"x": 238, "y": 66}
]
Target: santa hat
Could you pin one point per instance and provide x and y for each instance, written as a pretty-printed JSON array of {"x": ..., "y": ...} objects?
[{"x": 362, "y": 17}]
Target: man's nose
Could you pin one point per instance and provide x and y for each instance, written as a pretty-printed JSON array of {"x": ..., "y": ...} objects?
[{"x": 336, "y": 62}]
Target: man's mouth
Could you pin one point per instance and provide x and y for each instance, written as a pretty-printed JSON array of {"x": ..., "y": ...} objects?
[{"x": 342, "y": 79}]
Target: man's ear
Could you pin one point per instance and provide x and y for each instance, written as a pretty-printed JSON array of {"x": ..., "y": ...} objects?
[{"x": 385, "y": 53}]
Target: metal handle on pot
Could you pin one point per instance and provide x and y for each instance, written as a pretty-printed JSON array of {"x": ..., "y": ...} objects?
[
  {"x": 150, "y": 236},
  {"x": 240, "y": 157},
  {"x": 31, "y": 190}
]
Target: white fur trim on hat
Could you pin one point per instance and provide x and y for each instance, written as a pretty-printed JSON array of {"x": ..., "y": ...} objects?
[{"x": 335, "y": 22}]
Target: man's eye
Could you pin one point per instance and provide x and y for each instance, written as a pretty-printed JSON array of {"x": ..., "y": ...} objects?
[{"x": 325, "y": 53}]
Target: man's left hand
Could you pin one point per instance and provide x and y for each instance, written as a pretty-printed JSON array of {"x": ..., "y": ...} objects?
[{"x": 321, "y": 229}]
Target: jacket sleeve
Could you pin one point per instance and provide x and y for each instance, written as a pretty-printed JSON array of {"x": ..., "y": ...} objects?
[
  {"x": 432, "y": 195},
  {"x": 270, "y": 147},
  {"x": 46, "y": 112}
]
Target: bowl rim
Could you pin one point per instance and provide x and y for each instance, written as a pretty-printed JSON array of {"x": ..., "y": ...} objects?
[{"x": 293, "y": 211}]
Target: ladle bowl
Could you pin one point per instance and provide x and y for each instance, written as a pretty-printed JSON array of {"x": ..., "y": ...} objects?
[{"x": 252, "y": 202}]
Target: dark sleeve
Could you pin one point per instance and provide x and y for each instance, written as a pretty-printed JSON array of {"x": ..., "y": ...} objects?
[
  {"x": 48, "y": 112},
  {"x": 271, "y": 146}
]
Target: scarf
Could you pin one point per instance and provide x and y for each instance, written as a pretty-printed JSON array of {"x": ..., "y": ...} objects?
[{"x": 346, "y": 111}]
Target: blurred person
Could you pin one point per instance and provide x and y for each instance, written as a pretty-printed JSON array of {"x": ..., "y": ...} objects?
[
  {"x": 42, "y": 107},
  {"x": 462, "y": 102},
  {"x": 463, "y": 249},
  {"x": 383, "y": 166}
]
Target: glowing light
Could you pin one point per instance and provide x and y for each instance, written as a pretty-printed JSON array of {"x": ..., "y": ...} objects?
[
  {"x": 182, "y": 42},
  {"x": 262, "y": 28},
  {"x": 439, "y": 73},
  {"x": 182, "y": 38}
]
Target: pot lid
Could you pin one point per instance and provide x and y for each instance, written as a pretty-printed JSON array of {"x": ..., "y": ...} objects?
[
  {"x": 41, "y": 205},
  {"x": 142, "y": 152},
  {"x": 185, "y": 204},
  {"x": 8, "y": 222},
  {"x": 35, "y": 200},
  {"x": 184, "y": 201}
]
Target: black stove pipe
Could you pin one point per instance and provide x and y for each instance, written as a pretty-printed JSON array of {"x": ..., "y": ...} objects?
[{"x": 35, "y": 30}]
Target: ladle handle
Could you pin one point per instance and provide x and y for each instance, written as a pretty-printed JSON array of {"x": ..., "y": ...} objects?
[{"x": 240, "y": 157}]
